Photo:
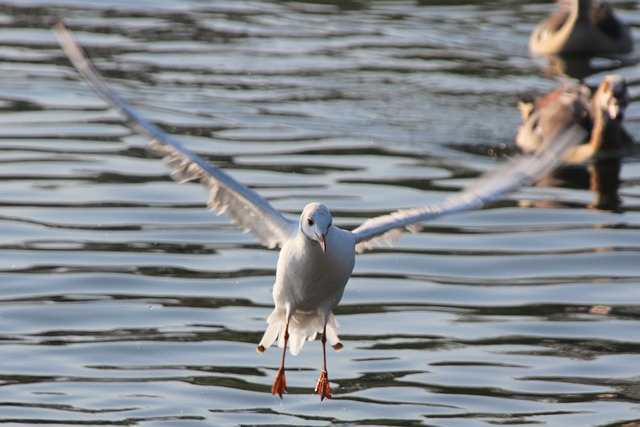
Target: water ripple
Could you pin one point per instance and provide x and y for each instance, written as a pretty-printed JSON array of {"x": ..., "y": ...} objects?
[{"x": 124, "y": 302}]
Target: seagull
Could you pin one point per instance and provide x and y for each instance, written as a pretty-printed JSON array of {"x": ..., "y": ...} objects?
[{"x": 316, "y": 257}]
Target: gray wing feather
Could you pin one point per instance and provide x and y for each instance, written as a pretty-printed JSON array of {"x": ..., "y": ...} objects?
[
  {"x": 244, "y": 207},
  {"x": 517, "y": 172}
]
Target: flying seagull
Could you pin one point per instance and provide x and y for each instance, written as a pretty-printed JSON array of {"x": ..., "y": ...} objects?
[{"x": 316, "y": 257}]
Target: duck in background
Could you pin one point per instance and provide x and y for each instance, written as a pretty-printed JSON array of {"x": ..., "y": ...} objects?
[
  {"x": 595, "y": 164},
  {"x": 582, "y": 27},
  {"x": 599, "y": 112}
]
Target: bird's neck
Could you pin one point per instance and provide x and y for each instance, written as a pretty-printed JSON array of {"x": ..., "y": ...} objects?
[
  {"x": 308, "y": 243},
  {"x": 606, "y": 135},
  {"x": 581, "y": 10}
]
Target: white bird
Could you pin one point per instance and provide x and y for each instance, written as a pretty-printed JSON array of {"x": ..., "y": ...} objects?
[{"x": 316, "y": 257}]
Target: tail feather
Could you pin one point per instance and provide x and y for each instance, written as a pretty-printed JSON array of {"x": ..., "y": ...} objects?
[{"x": 302, "y": 327}]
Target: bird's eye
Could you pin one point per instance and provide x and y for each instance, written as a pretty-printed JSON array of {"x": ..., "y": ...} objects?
[{"x": 310, "y": 221}]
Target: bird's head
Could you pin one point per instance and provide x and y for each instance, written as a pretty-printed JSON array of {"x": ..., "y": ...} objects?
[
  {"x": 315, "y": 222},
  {"x": 612, "y": 96}
]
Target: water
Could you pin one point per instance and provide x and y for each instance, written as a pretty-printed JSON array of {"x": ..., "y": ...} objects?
[{"x": 124, "y": 302}]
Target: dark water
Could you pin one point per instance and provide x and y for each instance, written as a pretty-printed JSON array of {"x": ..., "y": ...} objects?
[{"x": 124, "y": 302}]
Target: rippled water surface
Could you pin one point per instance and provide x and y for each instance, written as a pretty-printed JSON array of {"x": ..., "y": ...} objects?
[{"x": 123, "y": 301}]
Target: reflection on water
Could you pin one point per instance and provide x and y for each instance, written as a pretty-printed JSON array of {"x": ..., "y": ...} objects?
[
  {"x": 124, "y": 302},
  {"x": 602, "y": 178},
  {"x": 581, "y": 67}
]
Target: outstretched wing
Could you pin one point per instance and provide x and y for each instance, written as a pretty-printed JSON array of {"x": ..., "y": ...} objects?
[
  {"x": 519, "y": 171},
  {"x": 246, "y": 208}
]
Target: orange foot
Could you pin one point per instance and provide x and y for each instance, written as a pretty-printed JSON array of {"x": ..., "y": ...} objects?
[
  {"x": 322, "y": 387},
  {"x": 280, "y": 384}
]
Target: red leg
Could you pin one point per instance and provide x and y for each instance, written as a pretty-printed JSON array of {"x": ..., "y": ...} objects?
[
  {"x": 322, "y": 387},
  {"x": 280, "y": 383}
]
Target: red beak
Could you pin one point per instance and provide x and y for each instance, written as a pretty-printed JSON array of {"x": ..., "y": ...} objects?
[{"x": 322, "y": 242}]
